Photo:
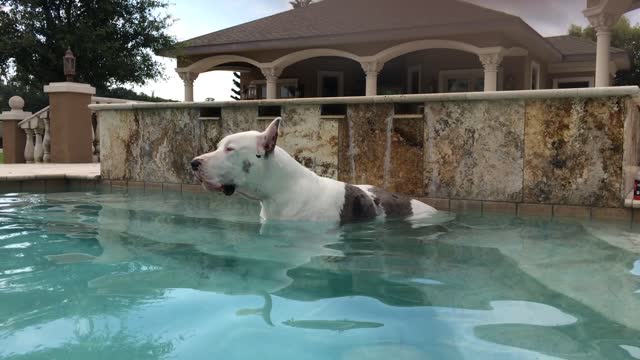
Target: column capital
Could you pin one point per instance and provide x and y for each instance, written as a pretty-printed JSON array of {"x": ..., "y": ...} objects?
[
  {"x": 602, "y": 21},
  {"x": 188, "y": 77},
  {"x": 372, "y": 67},
  {"x": 271, "y": 73},
  {"x": 491, "y": 61}
]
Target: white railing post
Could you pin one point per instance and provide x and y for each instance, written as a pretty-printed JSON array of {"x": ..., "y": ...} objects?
[
  {"x": 46, "y": 142},
  {"x": 38, "y": 149},
  {"x": 95, "y": 125},
  {"x": 28, "y": 148}
]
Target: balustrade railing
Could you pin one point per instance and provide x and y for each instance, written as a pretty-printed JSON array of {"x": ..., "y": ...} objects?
[
  {"x": 38, "y": 144},
  {"x": 38, "y": 138}
]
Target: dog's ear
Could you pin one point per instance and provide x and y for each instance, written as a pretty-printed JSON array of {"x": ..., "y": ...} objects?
[{"x": 268, "y": 138}]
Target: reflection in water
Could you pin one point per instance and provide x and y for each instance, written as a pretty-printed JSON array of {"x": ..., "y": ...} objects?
[{"x": 143, "y": 276}]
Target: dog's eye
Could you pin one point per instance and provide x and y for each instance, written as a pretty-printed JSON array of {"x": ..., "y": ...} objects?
[{"x": 228, "y": 149}]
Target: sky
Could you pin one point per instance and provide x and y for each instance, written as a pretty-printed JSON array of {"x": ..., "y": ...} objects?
[{"x": 199, "y": 17}]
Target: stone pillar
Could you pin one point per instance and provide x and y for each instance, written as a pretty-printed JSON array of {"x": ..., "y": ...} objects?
[
  {"x": 188, "y": 78},
  {"x": 491, "y": 64},
  {"x": 13, "y": 137},
  {"x": 372, "y": 69},
  {"x": 602, "y": 22},
  {"x": 272, "y": 75},
  {"x": 70, "y": 122}
]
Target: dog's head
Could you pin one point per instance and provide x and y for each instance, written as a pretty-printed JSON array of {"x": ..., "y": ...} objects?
[{"x": 238, "y": 162}]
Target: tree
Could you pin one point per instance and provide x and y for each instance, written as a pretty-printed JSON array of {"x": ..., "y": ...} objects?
[
  {"x": 114, "y": 41},
  {"x": 237, "y": 89},
  {"x": 300, "y": 3},
  {"x": 624, "y": 36}
]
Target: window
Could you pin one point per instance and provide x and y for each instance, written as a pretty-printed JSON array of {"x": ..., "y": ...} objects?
[
  {"x": 414, "y": 80},
  {"x": 464, "y": 80},
  {"x": 330, "y": 83},
  {"x": 287, "y": 88},
  {"x": 535, "y": 76},
  {"x": 573, "y": 83}
]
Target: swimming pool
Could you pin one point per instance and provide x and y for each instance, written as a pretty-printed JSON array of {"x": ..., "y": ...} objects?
[{"x": 134, "y": 275}]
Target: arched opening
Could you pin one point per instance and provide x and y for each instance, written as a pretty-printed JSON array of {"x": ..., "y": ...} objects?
[
  {"x": 438, "y": 70},
  {"x": 319, "y": 76}
]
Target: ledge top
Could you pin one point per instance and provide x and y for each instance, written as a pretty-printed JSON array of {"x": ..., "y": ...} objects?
[{"x": 382, "y": 99}]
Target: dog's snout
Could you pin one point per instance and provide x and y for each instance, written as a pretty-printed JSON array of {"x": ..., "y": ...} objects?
[{"x": 195, "y": 164}]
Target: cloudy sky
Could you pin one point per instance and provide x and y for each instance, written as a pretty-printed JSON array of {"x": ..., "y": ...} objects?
[{"x": 198, "y": 17}]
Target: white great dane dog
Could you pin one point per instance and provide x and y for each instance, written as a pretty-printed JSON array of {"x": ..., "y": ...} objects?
[{"x": 251, "y": 164}]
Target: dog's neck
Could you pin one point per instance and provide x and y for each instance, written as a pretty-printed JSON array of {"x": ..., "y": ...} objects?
[{"x": 286, "y": 177}]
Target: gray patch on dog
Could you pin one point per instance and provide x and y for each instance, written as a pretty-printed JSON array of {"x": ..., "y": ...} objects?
[
  {"x": 246, "y": 166},
  {"x": 358, "y": 206},
  {"x": 395, "y": 206}
]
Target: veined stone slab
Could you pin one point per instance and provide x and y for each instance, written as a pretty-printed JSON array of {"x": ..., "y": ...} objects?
[
  {"x": 474, "y": 150},
  {"x": 238, "y": 119},
  {"x": 363, "y": 143},
  {"x": 313, "y": 142},
  {"x": 405, "y": 173},
  {"x": 170, "y": 141},
  {"x": 574, "y": 151},
  {"x": 211, "y": 134},
  {"x": 120, "y": 142}
]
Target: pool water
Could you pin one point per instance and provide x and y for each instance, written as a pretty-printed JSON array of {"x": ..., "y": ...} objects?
[{"x": 134, "y": 275}]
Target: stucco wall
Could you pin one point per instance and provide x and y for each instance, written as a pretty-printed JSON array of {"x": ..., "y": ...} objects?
[{"x": 568, "y": 151}]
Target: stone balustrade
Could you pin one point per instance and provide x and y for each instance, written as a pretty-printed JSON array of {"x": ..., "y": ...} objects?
[
  {"x": 577, "y": 147},
  {"x": 38, "y": 138}
]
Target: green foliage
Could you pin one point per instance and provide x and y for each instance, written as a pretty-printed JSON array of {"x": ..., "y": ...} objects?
[
  {"x": 624, "y": 36},
  {"x": 237, "y": 88},
  {"x": 114, "y": 42},
  {"x": 124, "y": 93},
  {"x": 300, "y": 3}
]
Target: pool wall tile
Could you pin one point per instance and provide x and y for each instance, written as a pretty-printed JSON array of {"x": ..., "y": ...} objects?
[
  {"x": 474, "y": 150},
  {"x": 152, "y": 186},
  {"x": 135, "y": 184},
  {"x": 571, "y": 211},
  {"x": 439, "y": 204},
  {"x": 173, "y": 187},
  {"x": 535, "y": 210},
  {"x": 465, "y": 206},
  {"x": 618, "y": 214},
  {"x": 118, "y": 183},
  {"x": 193, "y": 188},
  {"x": 33, "y": 186},
  {"x": 499, "y": 208},
  {"x": 7, "y": 187},
  {"x": 55, "y": 185}
]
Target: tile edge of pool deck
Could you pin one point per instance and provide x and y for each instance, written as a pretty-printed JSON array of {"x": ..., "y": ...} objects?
[{"x": 49, "y": 178}]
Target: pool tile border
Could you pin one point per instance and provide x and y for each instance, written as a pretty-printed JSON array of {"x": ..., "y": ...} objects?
[{"x": 460, "y": 206}]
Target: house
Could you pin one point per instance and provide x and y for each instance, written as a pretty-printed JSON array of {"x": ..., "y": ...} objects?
[{"x": 380, "y": 47}]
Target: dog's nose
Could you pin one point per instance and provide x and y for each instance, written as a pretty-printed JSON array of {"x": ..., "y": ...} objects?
[{"x": 195, "y": 164}]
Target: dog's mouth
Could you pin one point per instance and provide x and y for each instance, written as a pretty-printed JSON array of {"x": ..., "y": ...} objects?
[{"x": 227, "y": 189}]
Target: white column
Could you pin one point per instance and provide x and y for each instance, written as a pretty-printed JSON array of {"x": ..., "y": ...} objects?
[
  {"x": 271, "y": 75},
  {"x": 372, "y": 69},
  {"x": 491, "y": 64},
  {"x": 188, "y": 78},
  {"x": 602, "y": 22}
]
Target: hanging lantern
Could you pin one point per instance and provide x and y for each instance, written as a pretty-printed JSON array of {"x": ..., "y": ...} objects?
[{"x": 69, "y": 65}]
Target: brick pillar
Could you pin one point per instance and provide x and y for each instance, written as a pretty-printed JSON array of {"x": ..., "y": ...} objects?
[
  {"x": 70, "y": 122},
  {"x": 14, "y": 138}
]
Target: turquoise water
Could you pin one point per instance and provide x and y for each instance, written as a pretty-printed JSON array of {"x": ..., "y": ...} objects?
[{"x": 170, "y": 276}]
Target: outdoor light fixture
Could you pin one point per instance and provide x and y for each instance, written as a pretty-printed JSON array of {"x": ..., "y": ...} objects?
[{"x": 69, "y": 65}]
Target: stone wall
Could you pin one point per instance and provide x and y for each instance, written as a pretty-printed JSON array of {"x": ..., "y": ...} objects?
[{"x": 563, "y": 150}]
